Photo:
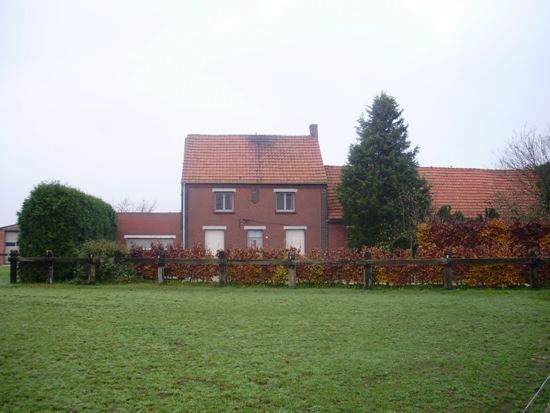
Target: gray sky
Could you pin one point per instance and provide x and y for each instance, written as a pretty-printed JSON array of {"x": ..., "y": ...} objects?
[{"x": 101, "y": 94}]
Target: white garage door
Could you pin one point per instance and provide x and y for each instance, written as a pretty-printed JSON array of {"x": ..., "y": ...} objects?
[
  {"x": 214, "y": 240},
  {"x": 295, "y": 239}
]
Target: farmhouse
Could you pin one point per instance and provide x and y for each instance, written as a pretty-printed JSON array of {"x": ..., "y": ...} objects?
[{"x": 274, "y": 191}]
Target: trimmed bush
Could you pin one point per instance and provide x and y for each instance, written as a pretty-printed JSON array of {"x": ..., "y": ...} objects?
[
  {"x": 60, "y": 218},
  {"x": 108, "y": 270}
]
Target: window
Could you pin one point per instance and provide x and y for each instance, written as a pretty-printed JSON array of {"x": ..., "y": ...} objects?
[
  {"x": 285, "y": 201},
  {"x": 255, "y": 238},
  {"x": 214, "y": 238},
  {"x": 145, "y": 241},
  {"x": 224, "y": 201},
  {"x": 11, "y": 244},
  {"x": 295, "y": 237}
]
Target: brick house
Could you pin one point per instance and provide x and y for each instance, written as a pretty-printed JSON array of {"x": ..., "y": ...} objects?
[
  {"x": 254, "y": 190},
  {"x": 274, "y": 191}
]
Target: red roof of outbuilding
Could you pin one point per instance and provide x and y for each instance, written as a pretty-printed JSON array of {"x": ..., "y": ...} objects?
[
  {"x": 464, "y": 189},
  {"x": 472, "y": 190},
  {"x": 253, "y": 159}
]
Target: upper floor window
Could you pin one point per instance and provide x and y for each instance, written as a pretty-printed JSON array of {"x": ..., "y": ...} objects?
[
  {"x": 285, "y": 201},
  {"x": 224, "y": 199}
]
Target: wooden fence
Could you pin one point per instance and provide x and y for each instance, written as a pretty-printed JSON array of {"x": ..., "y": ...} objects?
[{"x": 368, "y": 264}]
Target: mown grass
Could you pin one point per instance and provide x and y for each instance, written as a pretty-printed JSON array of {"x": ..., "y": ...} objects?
[{"x": 142, "y": 347}]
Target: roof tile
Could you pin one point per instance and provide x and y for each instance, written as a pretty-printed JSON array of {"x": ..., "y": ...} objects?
[
  {"x": 465, "y": 189},
  {"x": 253, "y": 159}
]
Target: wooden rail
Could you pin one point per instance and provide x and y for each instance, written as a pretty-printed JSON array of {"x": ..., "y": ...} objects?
[{"x": 290, "y": 263}]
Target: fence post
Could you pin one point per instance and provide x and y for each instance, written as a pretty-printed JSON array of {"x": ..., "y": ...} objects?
[
  {"x": 13, "y": 266},
  {"x": 49, "y": 254},
  {"x": 91, "y": 269},
  {"x": 447, "y": 272},
  {"x": 533, "y": 270},
  {"x": 222, "y": 268},
  {"x": 160, "y": 267},
  {"x": 118, "y": 257},
  {"x": 291, "y": 270},
  {"x": 367, "y": 273}
]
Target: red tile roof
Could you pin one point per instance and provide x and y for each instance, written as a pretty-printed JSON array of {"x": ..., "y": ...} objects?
[
  {"x": 467, "y": 190},
  {"x": 253, "y": 159},
  {"x": 335, "y": 211},
  {"x": 473, "y": 190}
]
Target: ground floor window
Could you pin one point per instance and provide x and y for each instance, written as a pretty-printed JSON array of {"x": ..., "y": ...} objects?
[
  {"x": 145, "y": 241},
  {"x": 255, "y": 238},
  {"x": 214, "y": 238},
  {"x": 295, "y": 238}
]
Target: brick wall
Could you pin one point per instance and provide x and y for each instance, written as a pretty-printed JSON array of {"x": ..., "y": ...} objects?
[
  {"x": 200, "y": 212},
  {"x": 151, "y": 223},
  {"x": 337, "y": 235}
]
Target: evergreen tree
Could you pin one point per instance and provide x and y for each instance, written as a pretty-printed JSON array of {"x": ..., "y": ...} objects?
[{"x": 381, "y": 192}]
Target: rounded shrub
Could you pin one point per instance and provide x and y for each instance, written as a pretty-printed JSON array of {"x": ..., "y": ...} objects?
[
  {"x": 59, "y": 218},
  {"x": 109, "y": 269}
]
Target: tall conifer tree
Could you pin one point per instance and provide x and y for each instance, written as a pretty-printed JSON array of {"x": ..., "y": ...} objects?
[{"x": 382, "y": 195}]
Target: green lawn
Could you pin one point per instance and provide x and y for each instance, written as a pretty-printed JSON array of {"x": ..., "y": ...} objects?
[{"x": 142, "y": 347}]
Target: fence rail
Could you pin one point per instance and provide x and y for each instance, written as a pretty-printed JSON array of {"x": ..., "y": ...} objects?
[{"x": 368, "y": 264}]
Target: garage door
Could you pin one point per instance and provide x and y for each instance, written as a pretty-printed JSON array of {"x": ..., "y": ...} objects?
[
  {"x": 214, "y": 240},
  {"x": 295, "y": 239}
]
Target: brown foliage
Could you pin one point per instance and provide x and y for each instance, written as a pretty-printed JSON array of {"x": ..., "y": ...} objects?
[{"x": 464, "y": 239}]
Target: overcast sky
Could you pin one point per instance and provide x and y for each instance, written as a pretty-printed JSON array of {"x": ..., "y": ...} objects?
[{"x": 101, "y": 94}]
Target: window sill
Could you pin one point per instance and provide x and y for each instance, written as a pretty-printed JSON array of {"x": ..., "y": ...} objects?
[
  {"x": 285, "y": 212},
  {"x": 224, "y": 212}
]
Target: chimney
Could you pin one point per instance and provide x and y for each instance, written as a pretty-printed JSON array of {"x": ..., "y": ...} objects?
[{"x": 313, "y": 131}]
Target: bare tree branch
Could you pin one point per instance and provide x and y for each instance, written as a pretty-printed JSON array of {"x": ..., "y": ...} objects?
[
  {"x": 528, "y": 153},
  {"x": 128, "y": 206}
]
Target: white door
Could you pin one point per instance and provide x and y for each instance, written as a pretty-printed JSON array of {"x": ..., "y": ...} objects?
[
  {"x": 10, "y": 243},
  {"x": 295, "y": 239},
  {"x": 213, "y": 240}
]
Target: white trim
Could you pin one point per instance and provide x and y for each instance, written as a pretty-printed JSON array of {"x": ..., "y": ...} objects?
[
  {"x": 150, "y": 236},
  {"x": 295, "y": 227},
  {"x": 223, "y": 227},
  {"x": 247, "y": 227},
  {"x": 224, "y": 190},
  {"x": 285, "y": 190}
]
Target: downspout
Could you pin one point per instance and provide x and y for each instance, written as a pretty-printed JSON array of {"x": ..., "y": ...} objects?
[{"x": 183, "y": 215}]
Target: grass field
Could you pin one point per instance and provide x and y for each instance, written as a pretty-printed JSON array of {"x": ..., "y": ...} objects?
[{"x": 142, "y": 347}]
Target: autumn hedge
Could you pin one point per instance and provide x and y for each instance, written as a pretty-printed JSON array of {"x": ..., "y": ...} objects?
[{"x": 467, "y": 239}]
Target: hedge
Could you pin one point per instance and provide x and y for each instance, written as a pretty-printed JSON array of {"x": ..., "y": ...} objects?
[
  {"x": 60, "y": 218},
  {"x": 467, "y": 239}
]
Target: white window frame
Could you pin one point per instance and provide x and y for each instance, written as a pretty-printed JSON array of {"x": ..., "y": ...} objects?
[
  {"x": 302, "y": 228},
  {"x": 159, "y": 237},
  {"x": 205, "y": 228},
  {"x": 225, "y": 192},
  {"x": 284, "y": 192},
  {"x": 261, "y": 237},
  {"x": 150, "y": 236}
]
